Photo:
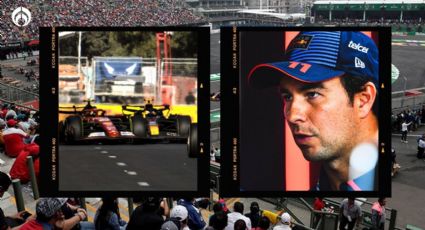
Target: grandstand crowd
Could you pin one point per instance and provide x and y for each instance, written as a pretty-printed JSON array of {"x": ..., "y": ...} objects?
[
  {"x": 19, "y": 127},
  {"x": 19, "y": 131},
  {"x": 414, "y": 116},
  {"x": 187, "y": 214},
  {"x": 21, "y": 76},
  {"x": 93, "y": 13},
  {"x": 395, "y": 24}
]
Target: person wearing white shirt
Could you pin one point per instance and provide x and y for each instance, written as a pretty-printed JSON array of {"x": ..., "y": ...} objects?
[
  {"x": 11, "y": 114},
  {"x": 212, "y": 155},
  {"x": 421, "y": 147},
  {"x": 180, "y": 213},
  {"x": 237, "y": 214},
  {"x": 404, "y": 129},
  {"x": 285, "y": 222}
]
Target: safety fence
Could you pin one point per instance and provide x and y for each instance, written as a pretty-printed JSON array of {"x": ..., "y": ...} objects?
[
  {"x": 329, "y": 219},
  {"x": 128, "y": 79},
  {"x": 16, "y": 95},
  {"x": 318, "y": 220},
  {"x": 179, "y": 77},
  {"x": 399, "y": 104}
]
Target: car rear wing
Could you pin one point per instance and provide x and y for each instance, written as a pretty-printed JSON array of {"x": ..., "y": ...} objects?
[
  {"x": 142, "y": 108},
  {"x": 70, "y": 110}
]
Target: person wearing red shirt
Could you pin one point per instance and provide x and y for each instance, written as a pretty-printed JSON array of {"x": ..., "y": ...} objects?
[
  {"x": 14, "y": 139},
  {"x": 2, "y": 127},
  {"x": 20, "y": 169},
  {"x": 319, "y": 204},
  {"x": 4, "y": 111},
  {"x": 50, "y": 216}
]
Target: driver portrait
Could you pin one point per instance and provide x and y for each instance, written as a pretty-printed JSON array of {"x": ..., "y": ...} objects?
[{"x": 328, "y": 86}]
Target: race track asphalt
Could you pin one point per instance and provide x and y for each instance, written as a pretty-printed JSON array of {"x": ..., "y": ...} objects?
[
  {"x": 411, "y": 63},
  {"x": 141, "y": 167}
]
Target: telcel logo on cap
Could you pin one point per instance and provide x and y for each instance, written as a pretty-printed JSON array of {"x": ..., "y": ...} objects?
[{"x": 358, "y": 47}]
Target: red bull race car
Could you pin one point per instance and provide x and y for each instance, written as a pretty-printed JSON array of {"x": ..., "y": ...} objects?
[{"x": 137, "y": 122}]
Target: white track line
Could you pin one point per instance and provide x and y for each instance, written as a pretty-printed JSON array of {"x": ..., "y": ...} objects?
[{"x": 143, "y": 184}]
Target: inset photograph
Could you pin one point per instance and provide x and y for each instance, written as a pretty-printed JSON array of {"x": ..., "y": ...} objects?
[
  {"x": 309, "y": 111},
  {"x": 128, "y": 110}
]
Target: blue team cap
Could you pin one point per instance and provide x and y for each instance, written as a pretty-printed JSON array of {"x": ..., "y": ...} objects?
[{"x": 315, "y": 56}]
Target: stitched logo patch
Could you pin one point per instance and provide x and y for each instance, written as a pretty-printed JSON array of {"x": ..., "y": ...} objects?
[
  {"x": 358, "y": 63},
  {"x": 300, "y": 42}
]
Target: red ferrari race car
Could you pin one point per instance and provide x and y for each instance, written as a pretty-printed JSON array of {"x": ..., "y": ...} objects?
[{"x": 145, "y": 122}]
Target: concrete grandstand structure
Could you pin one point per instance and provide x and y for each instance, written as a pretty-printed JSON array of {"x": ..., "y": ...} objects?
[
  {"x": 407, "y": 56},
  {"x": 365, "y": 10}
]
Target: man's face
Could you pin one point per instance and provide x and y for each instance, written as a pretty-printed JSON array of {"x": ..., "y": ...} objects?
[{"x": 320, "y": 116}]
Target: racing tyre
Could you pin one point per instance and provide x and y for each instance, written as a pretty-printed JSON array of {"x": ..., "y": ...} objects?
[
  {"x": 192, "y": 141},
  {"x": 73, "y": 129},
  {"x": 140, "y": 126},
  {"x": 183, "y": 126}
]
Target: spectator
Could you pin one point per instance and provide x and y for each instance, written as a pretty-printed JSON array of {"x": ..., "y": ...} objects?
[
  {"x": 14, "y": 139},
  {"x": 20, "y": 169},
  {"x": 236, "y": 215},
  {"x": 240, "y": 225},
  {"x": 378, "y": 214},
  {"x": 319, "y": 204},
  {"x": 73, "y": 221},
  {"x": 223, "y": 205},
  {"x": 350, "y": 214},
  {"x": 395, "y": 166},
  {"x": 70, "y": 211},
  {"x": 146, "y": 215},
  {"x": 170, "y": 225},
  {"x": 109, "y": 13},
  {"x": 263, "y": 224},
  {"x": 212, "y": 155},
  {"x": 164, "y": 210},
  {"x": 217, "y": 154},
  {"x": 285, "y": 222},
  {"x": 217, "y": 208},
  {"x": 254, "y": 215},
  {"x": 28, "y": 76},
  {"x": 190, "y": 98},
  {"x": 404, "y": 130},
  {"x": 4, "y": 110},
  {"x": 202, "y": 203},
  {"x": 220, "y": 221},
  {"x": 2, "y": 127},
  {"x": 9, "y": 221},
  {"x": 11, "y": 113},
  {"x": 50, "y": 216},
  {"x": 195, "y": 221},
  {"x": 421, "y": 147},
  {"x": 108, "y": 215},
  {"x": 180, "y": 214},
  {"x": 23, "y": 123}
]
